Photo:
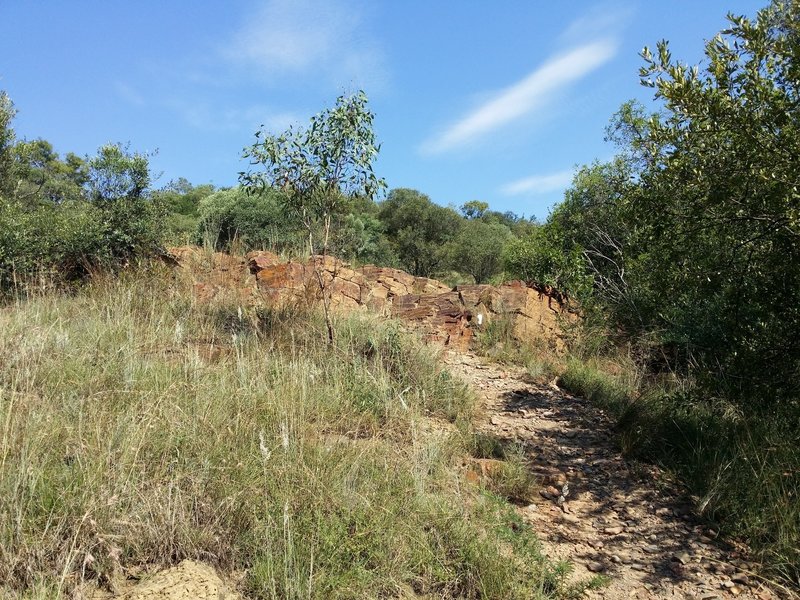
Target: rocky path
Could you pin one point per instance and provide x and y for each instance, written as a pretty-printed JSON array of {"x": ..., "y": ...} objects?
[{"x": 595, "y": 509}]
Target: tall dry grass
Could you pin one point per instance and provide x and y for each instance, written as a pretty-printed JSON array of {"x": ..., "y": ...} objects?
[{"x": 138, "y": 428}]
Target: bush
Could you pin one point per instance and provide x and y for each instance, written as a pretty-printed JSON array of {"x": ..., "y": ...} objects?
[
  {"x": 181, "y": 201},
  {"x": 252, "y": 220},
  {"x": 67, "y": 240},
  {"x": 65, "y": 217}
]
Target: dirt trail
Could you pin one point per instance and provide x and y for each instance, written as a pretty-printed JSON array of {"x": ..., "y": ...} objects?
[{"x": 605, "y": 515}]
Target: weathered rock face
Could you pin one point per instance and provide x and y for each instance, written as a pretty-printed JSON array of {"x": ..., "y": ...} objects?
[{"x": 447, "y": 316}]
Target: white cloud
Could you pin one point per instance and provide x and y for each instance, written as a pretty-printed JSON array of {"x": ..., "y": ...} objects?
[
  {"x": 604, "y": 20},
  {"x": 207, "y": 117},
  {"x": 538, "y": 184},
  {"x": 520, "y": 99},
  {"x": 290, "y": 37}
]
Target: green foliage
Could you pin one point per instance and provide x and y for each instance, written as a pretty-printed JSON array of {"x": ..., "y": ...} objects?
[
  {"x": 717, "y": 254},
  {"x": 478, "y": 247},
  {"x": 542, "y": 257},
  {"x": 63, "y": 217},
  {"x": 7, "y": 137},
  {"x": 689, "y": 237},
  {"x": 361, "y": 237},
  {"x": 474, "y": 209},
  {"x": 319, "y": 167},
  {"x": 253, "y": 221},
  {"x": 182, "y": 198},
  {"x": 115, "y": 173},
  {"x": 419, "y": 230},
  {"x": 181, "y": 201},
  {"x": 689, "y": 240},
  {"x": 39, "y": 173},
  {"x": 48, "y": 240}
]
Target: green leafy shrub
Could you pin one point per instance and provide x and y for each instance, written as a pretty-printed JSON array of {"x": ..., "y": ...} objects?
[
  {"x": 64, "y": 218},
  {"x": 68, "y": 240},
  {"x": 255, "y": 220}
]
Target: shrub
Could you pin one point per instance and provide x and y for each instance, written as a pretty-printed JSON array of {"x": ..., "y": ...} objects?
[
  {"x": 252, "y": 220},
  {"x": 64, "y": 218}
]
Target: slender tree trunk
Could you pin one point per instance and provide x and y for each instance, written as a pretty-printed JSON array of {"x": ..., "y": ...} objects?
[{"x": 326, "y": 298}]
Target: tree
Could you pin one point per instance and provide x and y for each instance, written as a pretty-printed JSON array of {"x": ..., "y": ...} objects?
[
  {"x": 252, "y": 220},
  {"x": 69, "y": 215},
  {"x": 181, "y": 201},
  {"x": 40, "y": 174},
  {"x": 478, "y": 249},
  {"x": 7, "y": 136},
  {"x": 419, "y": 229},
  {"x": 474, "y": 209},
  {"x": 317, "y": 168},
  {"x": 543, "y": 256},
  {"x": 361, "y": 236},
  {"x": 718, "y": 207},
  {"x": 115, "y": 173}
]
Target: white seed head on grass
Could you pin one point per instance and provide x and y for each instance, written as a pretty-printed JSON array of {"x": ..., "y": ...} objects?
[
  {"x": 178, "y": 332},
  {"x": 284, "y": 435},
  {"x": 262, "y": 446}
]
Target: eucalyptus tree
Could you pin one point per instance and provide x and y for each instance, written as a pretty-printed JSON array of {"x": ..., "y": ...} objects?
[{"x": 318, "y": 168}]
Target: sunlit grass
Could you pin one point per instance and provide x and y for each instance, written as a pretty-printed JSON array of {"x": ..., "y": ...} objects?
[{"x": 138, "y": 428}]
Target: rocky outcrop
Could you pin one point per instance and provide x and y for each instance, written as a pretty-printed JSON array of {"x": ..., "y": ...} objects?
[{"x": 449, "y": 316}]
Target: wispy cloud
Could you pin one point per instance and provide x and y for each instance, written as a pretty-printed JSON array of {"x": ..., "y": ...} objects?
[
  {"x": 520, "y": 99},
  {"x": 538, "y": 184},
  {"x": 128, "y": 94},
  {"x": 208, "y": 117},
  {"x": 291, "y": 37},
  {"x": 602, "y": 21}
]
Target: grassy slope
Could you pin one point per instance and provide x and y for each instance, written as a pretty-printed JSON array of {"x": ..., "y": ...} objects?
[{"x": 138, "y": 428}]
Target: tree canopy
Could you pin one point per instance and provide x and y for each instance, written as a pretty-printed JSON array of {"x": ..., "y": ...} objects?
[
  {"x": 692, "y": 233},
  {"x": 419, "y": 229}
]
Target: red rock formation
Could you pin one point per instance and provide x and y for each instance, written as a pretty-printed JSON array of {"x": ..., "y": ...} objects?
[{"x": 447, "y": 316}]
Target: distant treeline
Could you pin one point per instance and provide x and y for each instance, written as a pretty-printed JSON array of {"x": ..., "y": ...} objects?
[
  {"x": 405, "y": 230},
  {"x": 68, "y": 214}
]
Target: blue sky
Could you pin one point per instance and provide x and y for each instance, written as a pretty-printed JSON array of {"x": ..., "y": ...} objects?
[{"x": 495, "y": 101}]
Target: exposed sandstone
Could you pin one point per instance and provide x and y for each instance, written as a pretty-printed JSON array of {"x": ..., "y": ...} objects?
[
  {"x": 187, "y": 581},
  {"x": 447, "y": 316}
]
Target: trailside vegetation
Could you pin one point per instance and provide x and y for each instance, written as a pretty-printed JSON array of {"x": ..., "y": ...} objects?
[
  {"x": 686, "y": 250},
  {"x": 65, "y": 216}
]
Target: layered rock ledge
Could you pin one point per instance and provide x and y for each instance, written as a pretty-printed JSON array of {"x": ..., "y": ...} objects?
[{"x": 449, "y": 316}]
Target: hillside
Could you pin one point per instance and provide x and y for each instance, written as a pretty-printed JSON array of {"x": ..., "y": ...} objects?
[
  {"x": 142, "y": 427},
  {"x": 193, "y": 413},
  {"x": 556, "y": 376}
]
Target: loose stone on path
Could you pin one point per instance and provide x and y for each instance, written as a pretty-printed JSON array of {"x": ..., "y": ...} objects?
[{"x": 592, "y": 509}]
